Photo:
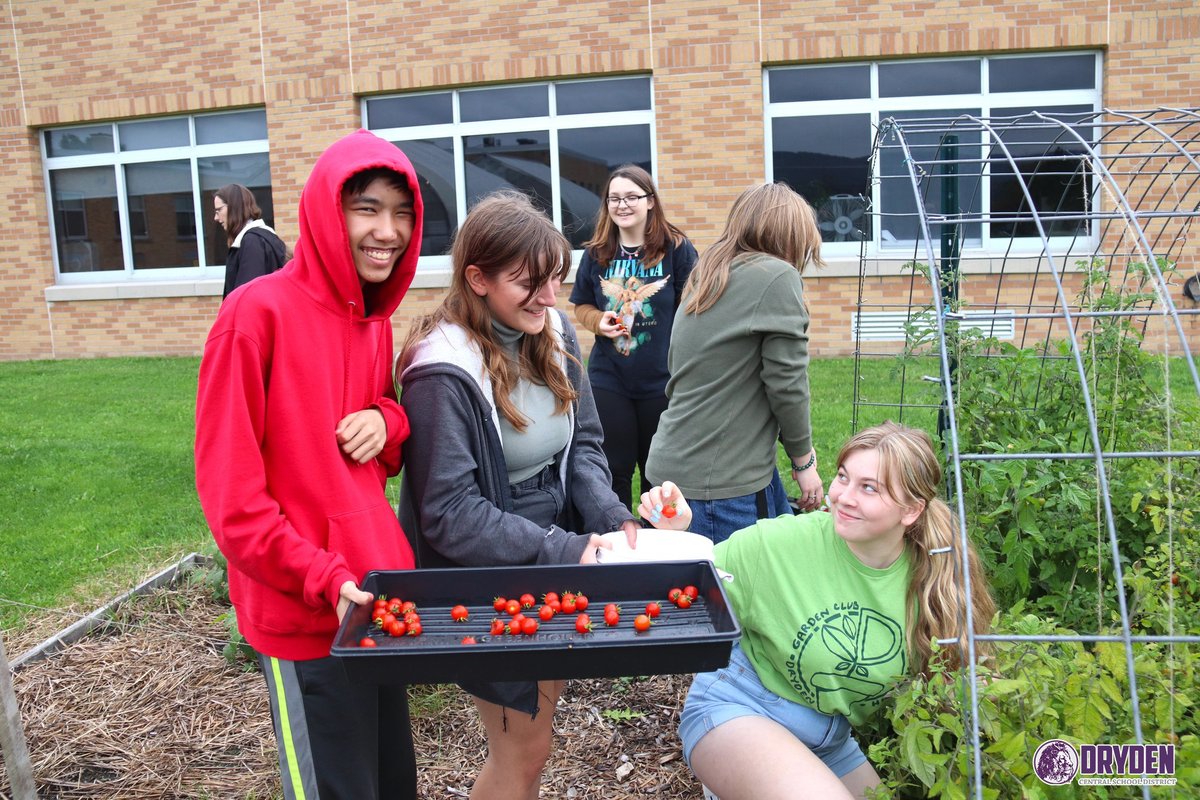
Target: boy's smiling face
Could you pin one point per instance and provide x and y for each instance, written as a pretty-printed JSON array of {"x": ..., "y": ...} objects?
[{"x": 379, "y": 222}]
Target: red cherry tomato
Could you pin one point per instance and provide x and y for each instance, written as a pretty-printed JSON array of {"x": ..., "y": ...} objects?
[
  {"x": 683, "y": 601},
  {"x": 459, "y": 613},
  {"x": 529, "y": 626},
  {"x": 583, "y": 624},
  {"x": 499, "y": 603},
  {"x": 670, "y": 511},
  {"x": 550, "y": 598},
  {"x": 415, "y": 629},
  {"x": 674, "y": 593},
  {"x": 397, "y": 628},
  {"x": 412, "y": 618},
  {"x": 469, "y": 640},
  {"x": 367, "y": 642},
  {"x": 528, "y": 600},
  {"x": 497, "y": 627},
  {"x": 653, "y": 610},
  {"x": 641, "y": 623},
  {"x": 407, "y": 606},
  {"x": 581, "y": 602},
  {"x": 569, "y": 606},
  {"x": 513, "y": 607},
  {"x": 546, "y": 613},
  {"x": 692, "y": 592},
  {"x": 611, "y": 616}
]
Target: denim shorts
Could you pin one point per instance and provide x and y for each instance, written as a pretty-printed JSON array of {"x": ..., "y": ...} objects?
[
  {"x": 719, "y": 519},
  {"x": 735, "y": 691}
]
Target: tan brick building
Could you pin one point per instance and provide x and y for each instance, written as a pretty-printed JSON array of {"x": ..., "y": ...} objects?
[{"x": 111, "y": 251}]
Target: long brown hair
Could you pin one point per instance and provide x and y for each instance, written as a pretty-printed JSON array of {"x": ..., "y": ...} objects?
[
  {"x": 503, "y": 232},
  {"x": 937, "y": 601},
  {"x": 768, "y": 218},
  {"x": 660, "y": 233},
  {"x": 240, "y": 208}
]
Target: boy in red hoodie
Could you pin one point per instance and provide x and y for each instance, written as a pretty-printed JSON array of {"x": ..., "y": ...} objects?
[{"x": 297, "y": 431}]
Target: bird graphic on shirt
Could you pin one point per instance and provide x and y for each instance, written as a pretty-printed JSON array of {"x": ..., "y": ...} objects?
[{"x": 628, "y": 301}]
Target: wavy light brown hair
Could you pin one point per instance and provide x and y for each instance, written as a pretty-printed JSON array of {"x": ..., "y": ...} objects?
[
  {"x": 502, "y": 233},
  {"x": 240, "y": 208},
  {"x": 768, "y": 218},
  {"x": 660, "y": 233},
  {"x": 909, "y": 469}
]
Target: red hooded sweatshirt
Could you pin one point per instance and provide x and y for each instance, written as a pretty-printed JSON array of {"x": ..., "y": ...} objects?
[{"x": 289, "y": 356}]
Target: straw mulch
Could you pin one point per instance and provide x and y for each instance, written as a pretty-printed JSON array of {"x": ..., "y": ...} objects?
[{"x": 149, "y": 708}]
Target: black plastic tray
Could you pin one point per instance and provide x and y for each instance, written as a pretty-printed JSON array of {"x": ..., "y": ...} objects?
[{"x": 697, "y": 639}]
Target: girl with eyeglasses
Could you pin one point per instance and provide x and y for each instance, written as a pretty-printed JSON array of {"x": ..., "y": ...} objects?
[
  {"x": 739, "y": 369},
  {"x": 626, "y": 292},
  {"x": 254, "y": 248}
]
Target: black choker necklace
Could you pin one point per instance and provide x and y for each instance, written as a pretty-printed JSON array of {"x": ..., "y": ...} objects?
[{"x": 630, "y": 252}]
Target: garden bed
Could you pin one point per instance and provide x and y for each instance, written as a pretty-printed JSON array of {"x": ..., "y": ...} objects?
[{"x": 147, "y": 706}]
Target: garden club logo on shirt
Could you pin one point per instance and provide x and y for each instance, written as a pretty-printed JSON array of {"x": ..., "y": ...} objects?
[{"x": 1057, "y": 762}]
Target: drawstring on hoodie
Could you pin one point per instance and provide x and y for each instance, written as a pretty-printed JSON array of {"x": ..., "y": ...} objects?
[{"x": 346, "y": 363}]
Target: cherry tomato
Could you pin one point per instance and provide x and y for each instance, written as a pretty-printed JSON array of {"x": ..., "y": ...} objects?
[
  {"x": 581, "y": 602},
  {"x": 367, "y": 642},
  {"x": 556, "y": 604},
  {"x": 529, "y": 626},
  {"x": 397, "y": 628},
  {"x": 528, "y": 601},
  {"x": 550, "y": 598},
  {"x": 469, "y": 640},
  {"x": 415, "y": 629},
  {"x": 612, "y": 607},
  {"x": 670, "y": 511},
  {"x": 673, "y": 595},
  {"x": 583, "y": 624},
  {"x": 407, "y": 606},
  {"x": 567, "y": 596},
  {"x": 459, "y": 613},
  {"x": 683, "y": 601},
  {"x": 546, "y": 613},
  {"x": 499, "y": 603},
  {"x": 396, "y": 606},
  {"x": 641, "y": 623},
  {"x": 611, "y": 616},
  {"x": 412, "y": 618},
  {"x": 692, "y": 592},
  {"x": 497, "y": 627},
  {"x": 653, "y": 610},
  {"x": 387, "y": 619},
  {"x": 513, "y": 607},
  {"x": 569, "y": 606}
]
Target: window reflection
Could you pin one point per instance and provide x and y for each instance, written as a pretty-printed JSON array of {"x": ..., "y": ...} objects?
[
  {"x": 507, "y": 102},
  {"x": 155, "y": 190},
  {"x": 85, "y": 202},
  {"x": 825, "y": 159},
  {"x": 518, "y": 161},
  {"x": 1051, "y": 164},
  {"x": 589, "y": 97},
  {"x": 433, "y": 159},
  {"x": 900, "y": 224},
  {"x": 586, "y": 156}
]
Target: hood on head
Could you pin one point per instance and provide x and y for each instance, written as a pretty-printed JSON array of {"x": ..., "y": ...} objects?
[{"x": 323, "y": 261}]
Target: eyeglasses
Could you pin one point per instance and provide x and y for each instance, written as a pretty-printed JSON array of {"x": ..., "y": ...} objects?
[{"x": 630, "y": 201}]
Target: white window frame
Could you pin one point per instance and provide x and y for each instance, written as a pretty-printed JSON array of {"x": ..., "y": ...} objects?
[
  {"x": 117, "y": 160},
  {"x": 553, "y": 122},
  {"x": 985, "y": 101}
]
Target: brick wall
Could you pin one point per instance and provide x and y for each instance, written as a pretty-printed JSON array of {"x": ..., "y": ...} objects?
[{"x": 310, "y": 61}]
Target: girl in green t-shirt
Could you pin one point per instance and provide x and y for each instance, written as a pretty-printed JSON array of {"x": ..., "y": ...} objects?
[{"x": 834, "y": 607}]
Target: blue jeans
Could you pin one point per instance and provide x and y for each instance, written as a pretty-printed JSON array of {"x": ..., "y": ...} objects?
[{"x": 718, "y": 519}]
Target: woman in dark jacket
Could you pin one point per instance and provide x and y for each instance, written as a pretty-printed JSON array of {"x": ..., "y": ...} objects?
[{"x": 254, "y": 249}]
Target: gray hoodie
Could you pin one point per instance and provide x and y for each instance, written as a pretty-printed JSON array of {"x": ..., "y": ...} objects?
[{"x": 455, "y": 503}]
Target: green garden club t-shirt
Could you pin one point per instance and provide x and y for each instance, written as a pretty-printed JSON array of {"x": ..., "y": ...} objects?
[{"x": 821, "y": 628}]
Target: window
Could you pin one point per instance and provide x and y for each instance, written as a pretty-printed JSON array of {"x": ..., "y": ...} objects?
[
  {"x": 151, "y": 184},
  {"x": 822, "y": 121},
  {"x": 556, "y": 142}
]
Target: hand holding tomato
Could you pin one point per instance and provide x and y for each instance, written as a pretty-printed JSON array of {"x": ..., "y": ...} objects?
[
  {"x": 350, "y": 593},
  {"x": 656, "y": 502},
  {"x": 610, "y": 325}
]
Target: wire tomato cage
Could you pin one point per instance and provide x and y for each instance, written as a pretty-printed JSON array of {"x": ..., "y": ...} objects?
[{"x": 1027, "y": 289}]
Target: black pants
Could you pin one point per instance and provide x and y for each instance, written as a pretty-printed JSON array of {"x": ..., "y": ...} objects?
[
  {"x": 343, "y": 740},
  {"x": 629, "y": 425}
]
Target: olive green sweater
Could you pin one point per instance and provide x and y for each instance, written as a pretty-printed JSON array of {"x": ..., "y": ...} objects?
[{"x": 739, "y": 383}]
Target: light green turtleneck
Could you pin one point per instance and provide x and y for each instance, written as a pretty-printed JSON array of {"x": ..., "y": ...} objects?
[{"x": 527, "y": 452}]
